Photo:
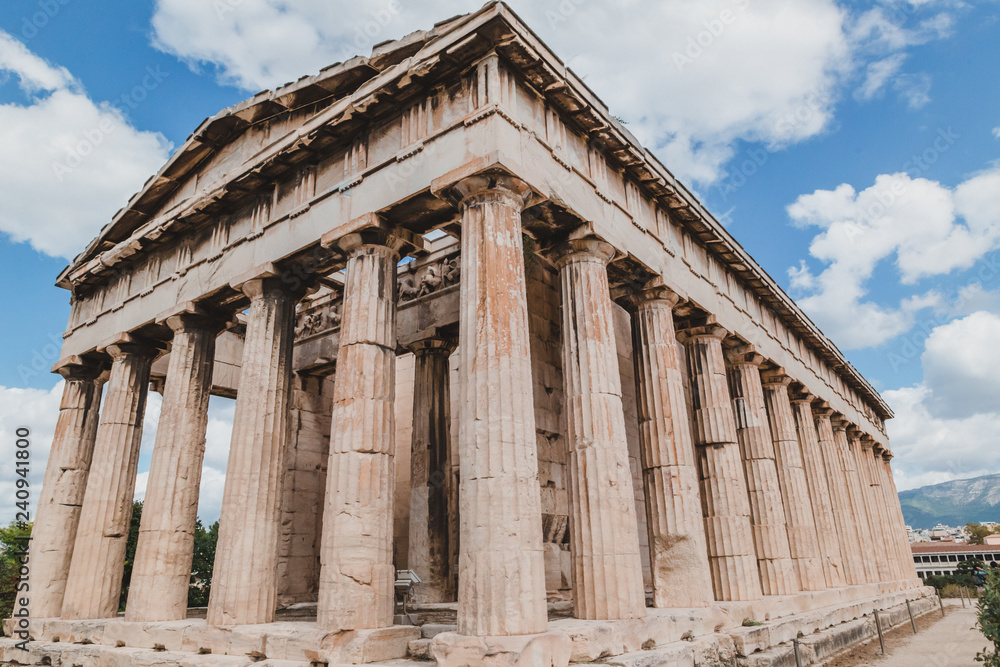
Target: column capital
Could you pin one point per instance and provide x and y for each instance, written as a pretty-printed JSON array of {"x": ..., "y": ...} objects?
[
  {"x": 867, "y": 443},
  {"x": 126, "y": 344},
  {"x": 265, "y": 279},
  {"x": 372, "y": 229},
  {"x": 470, "y": 190},
  {"x": 442, "y": 345},
  {"x": 75, "y": 367},
  {"x": 801, "y": 396},
  {"x": 775, "y": 378},
  {"x": 839, "y": 422},
  {"x": 653, "y": 290},
  {"x": 887, "y": 455},
  {"x": 191, "y": 316},
  {"x": 710, "y": 330},
  {"x": 744, "y": 354},
  {"x": 590, "y": 248},
  {"x": 822, "y": 409}
]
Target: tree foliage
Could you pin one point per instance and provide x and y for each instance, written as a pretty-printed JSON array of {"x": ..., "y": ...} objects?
[
  {"x": 988, "y": 612},
  {"x": 977, "y": 533},
  {"x": 13, "y": 541},
  {"x": 201, "y": 566}
]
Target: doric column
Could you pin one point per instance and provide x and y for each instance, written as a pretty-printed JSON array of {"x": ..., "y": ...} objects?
[
  {"x": 854, "y": 569},
  {"x": 725, "y": 504},
  {"x": 909, "y": 569},
  {"x": 767, "y": 514},
  {"x": 881, "y": 507},
  {"x": 161, "y": 574},
  {"x": 678, "y": 551},
  {"x": 803, "y": 541},
  {"x": 54, "y": 531},
  {"x": 862, "y": 450},
  {"x": 430, "y": 470},
  {"x": 819, "y": 490},
  {"x": 95, "y": 576},
  {"x": 501, "y": 580},
  {"x": 604, "y": 541},
  {"x": 356, "y": 569},
  {"x": 849, "y": 468},
  {"x": 244, "y": 583}
]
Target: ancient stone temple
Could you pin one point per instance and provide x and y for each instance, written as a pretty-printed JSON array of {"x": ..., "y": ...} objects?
[{"x": 473, "y": 331}]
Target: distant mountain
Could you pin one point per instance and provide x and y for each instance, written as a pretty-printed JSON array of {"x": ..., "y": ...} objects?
[{"x": 953, "y": 503}]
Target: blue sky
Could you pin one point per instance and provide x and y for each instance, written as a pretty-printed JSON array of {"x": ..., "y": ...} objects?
[{"x": 797, "y": 123}]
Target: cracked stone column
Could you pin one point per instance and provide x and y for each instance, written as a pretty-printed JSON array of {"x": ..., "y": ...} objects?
[
  {"x": 54, "y": 531},
  {"x": 244, "y": 584},
  {"x": 95, "y": 575},
  {"x": 886, "y": 533},
  {"x": 907, "y": 566},
  {"x": 803, "y": 542},
  {"x": 430, "y": 468},
  {"x": 161, "y": 574},
  {"x": 725, "y": 504},
  {"x": 501, "y": 581},
  {"x": 604, "y": 540},
  {"x": 862, "y": 452},
  {"x": 778, "y": 575},
  {"x": 678, "y": 551},
  {"x": 356, "y": 567},
  {"x": 849, "y": 468},
  {"x": 850, "y": 541},
  {"x": 819, "y": 490}
]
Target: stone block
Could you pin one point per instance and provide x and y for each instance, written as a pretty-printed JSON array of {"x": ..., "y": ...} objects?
[
  {"x": 548, "y": 649},
  {"x": 359, "y": 646},
  {"x": 675, "y": 655},
  {"x": 419, "y": 649},
  {"x": 431, "y": 630}
]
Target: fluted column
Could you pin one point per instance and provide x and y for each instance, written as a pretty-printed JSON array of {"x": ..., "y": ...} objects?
[
  {"x": 678, "y": 551},
  {"x": 803, "y": 541},
  {"x": 847, "y": 533},
  {"x": 907, "y": 566},
  {"x": 356, "y": 569},
  {"x": 244, "y": 581},
  {"x": 767, "y": 514},
  {"x": 604, "y": 541},
  {"x": 819, "y": 491},
  {"x": 95, "y": 575},
  {"x": 501, "y": 580},
  {"x": 849, "y": 468},
  {"x": 430, "y": 469},
  {"x": 162, "y": 571},
  {"x": 862, "y": 453},
  {"x": 57, "y": 517},
  {"x": 725, "y": 504},
  {"x": 881, "y": 509}
]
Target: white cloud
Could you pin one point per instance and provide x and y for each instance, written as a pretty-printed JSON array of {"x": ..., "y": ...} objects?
[
  {"x": 38, "y": 410},
  {"x": 68, "y": 162},
  {"x": 877, "y": 74},
  {"x": 922, "y": 227},
  {"x": 946, "y": 427},
  {"x": 691, "y": 78},
  {"x": 996, "y": 132}
]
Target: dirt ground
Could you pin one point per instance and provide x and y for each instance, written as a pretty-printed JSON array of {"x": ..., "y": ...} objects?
[{"x": 951, "y": 641}]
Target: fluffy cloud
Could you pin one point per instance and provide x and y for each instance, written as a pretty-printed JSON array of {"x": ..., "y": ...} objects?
[
  {"x": 68, "y": 162},
  {"x": 922, "y": 227},
  {"x": 38, "y": 410},
  {"x": 943, "y": 425},
  {"x": 691, "y": 78}
]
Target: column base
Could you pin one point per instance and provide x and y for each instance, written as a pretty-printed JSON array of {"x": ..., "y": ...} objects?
[{"x": 547, "y": 649}]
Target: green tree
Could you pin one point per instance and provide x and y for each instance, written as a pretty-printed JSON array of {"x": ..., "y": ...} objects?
[
  {"x": 13, "y": 543},
  {"x": 201, "y": 565},
  {"x": 133, "y": 540},
  {"x": 977, "y": 533},
  {"x": 988, "y": 612}
]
